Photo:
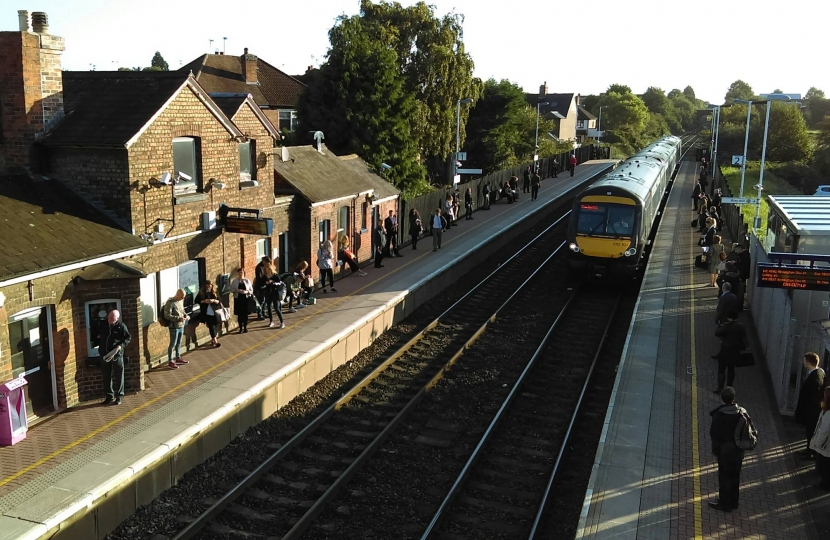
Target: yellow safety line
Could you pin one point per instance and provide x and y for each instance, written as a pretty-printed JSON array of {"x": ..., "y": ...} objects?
[
  {"x": 195, "y": 378},
  {"x": 695, "y": 423}
]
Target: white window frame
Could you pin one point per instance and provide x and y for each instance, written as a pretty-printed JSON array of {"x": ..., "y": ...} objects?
[
  {"x": 149, "y": 299},
  {"x": 90, "y": 351},
  {"x": 263, "y": 248},
  {"x": 292, "y": 121},
  {"x": 323, "y": 231},
  {"x": 343, "y": 224},
  {"x": 194, "y": 185},
  {"x": 170, "y": 282}
]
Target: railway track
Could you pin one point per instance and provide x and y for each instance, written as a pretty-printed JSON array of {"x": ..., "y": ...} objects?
[
  {"x": 503, "y": 488},
  {"x": 289, "y": 489}
]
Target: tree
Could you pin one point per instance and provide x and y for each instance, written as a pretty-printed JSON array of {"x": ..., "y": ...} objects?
[
  {"x": 360, "y": 102},
  {"x": 814, "y": 93},
  {"x": 656, "y": 100},
  {"x": 158, "y": 63},
  {"x": 690, "y": 94},
  {"x": 777, "y": 91},
  {"x": 435, "y": 66},
  {"x": 739, "y": 90},
  {"x": 619, "y": 89},
  {"x": 674, "y": 93},
  {"x": 788, "y": 139},
  {"x": 626, "y": 115}
]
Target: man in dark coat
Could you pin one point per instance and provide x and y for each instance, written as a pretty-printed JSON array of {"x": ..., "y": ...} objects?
[
  {"x": 535, "y": 184},
  {"x": 809, "y": 400},
  {"x": 390, "y": 224},
  {"x": 732, "y": 341},
  {"x": 468, "y": 203},
  {"x": 695, "y": 195},
  {"x": 526, "y": 180},
  {"x": 726, "y": 303},
  {"x": 485, "y": 191},
  {"x": 730, "y": 457},
  {"x": 259, "y": 287},
  {"x": 379, "y": 239},
  {"x": 113, "y": 340}
]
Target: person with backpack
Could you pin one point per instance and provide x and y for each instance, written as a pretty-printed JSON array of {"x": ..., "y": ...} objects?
[
  {"x": 732, "y": 435},
  {"x": 176, "y": 318}
]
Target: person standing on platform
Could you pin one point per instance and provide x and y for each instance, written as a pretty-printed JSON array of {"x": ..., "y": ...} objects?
[
  {"x": 113, "y": 340},
  {"x": 176, "y": 319},
  {"x": 275, "y": 291},
  {"x": 415, "y": 227},
  {"x": 727, "y": 303},
  {"x": 325, "y": 262},
  {"x": 448, "y": 211},
  {"x": 714, "y": 258},
  {"x": 379, "y": 239},
  {"x": 573, "y": 163},
  {"x": 820, "y": 442},
  {"x": 808, "y": 408},
  {"x": 535, "y": 184},
  {"x": 555, "y": 167},
  {"x": 486, "y": 192},
  {"x": 209, "y": 304},
  {"x": 468, "y": 204},
  {"x": 391, "y": 226},
  {"x": 259, "y": 287},
  {"x": 437, "y": 226},
  {"x": 732, "y": 341},
  {"x": 730, "y": 458},
  {"x": 243, "y": 292},
  {"x": 696, "y": 196},
  {"x": 526, "y": 180}
]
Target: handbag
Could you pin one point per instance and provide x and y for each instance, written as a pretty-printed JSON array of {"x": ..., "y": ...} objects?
[
  {"x": 820, "y": 441},
  {"x": 702, "y": 239},
  {"x": 745, "y": 359},
  {"x": 223, "y": 314},
  {"x": 308, "y": 282},
  {"x": 252, "y": 304}
]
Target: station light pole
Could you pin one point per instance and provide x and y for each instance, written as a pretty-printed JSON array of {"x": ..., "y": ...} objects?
[
  {"x": 599, "y": 127},
  {"x": 457, "y": 137},
  {"x": 749, "y": 104}
]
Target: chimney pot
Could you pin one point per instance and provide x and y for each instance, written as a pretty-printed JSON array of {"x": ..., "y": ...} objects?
[
  {"x": 246, "y": 50},
  {"x": 25, "y": 21},
  {"x": 40, "y": 22},
  {"x": 249, "y": 67},
  {"x": 310, "y": 68},
  {"x": 543, "y": 90},
  {"x": 222, "y": 53}
]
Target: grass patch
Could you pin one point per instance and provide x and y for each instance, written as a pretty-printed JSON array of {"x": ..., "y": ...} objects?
[{"x": 772, "y": 186}]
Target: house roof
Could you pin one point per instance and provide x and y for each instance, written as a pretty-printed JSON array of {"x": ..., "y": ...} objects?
[
  {"x": 584, "y": 114},
  {"x": 560, "y": 103},
  {"x": 383, "y": 189},
  {"x": 223, "y": 73},
  {"x": 230, "y": 104},
  {"x": 321, "y": 177},
  {"x": 46, "y": 226},
  {"x": 109, "y": 109}
]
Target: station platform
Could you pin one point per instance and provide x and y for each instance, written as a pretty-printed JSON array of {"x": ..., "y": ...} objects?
[
  {"x": 82, "y": 472},
  {"x": 654, "y": 470}
]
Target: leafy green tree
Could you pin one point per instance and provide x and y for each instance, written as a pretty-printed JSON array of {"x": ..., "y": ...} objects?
[
  {"x": 435, "y": 66},
  {"x": 159, "y": 63},
  {"x": 788, "y": 139},
  {"x": 674, "y": 93},
  {"x": 823, "y": 139},
  {"x": 689, "y": 92},
  {"x": 739, "y": 90},
  {"x": 684, "y": 112},
  {"x": 619, "y": 89},
  {"x": 624, "y": 112},
  {"x": 359, "y": 101},
  {"x": 153, "y": 68},
  {"x": 814, "y": 93},
  {"x": 777, "y": 91},
  {"x": 656, "y": 100}
]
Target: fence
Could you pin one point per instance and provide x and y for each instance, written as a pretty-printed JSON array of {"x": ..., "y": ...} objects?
[
  {"x": 427, "y": 203},
  {"x": 733, "y": 219}
]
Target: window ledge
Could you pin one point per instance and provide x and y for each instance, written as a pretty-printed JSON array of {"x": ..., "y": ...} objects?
[
  {"x": 194, "y": 197},
  {"x": 249, "y": 184},
  {"x": 364, "y": 231}
]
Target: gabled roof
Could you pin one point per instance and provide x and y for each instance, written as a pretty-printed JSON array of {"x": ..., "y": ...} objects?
[
  {"x": 584, "y": 114},
  {"x": 560, "y": 103},
  {"x": 46, "y": 226},
  {"x": 223, "y": 73},
  {"x": 110, "y": 109},
  {"x": 321, "y": 177},
  {"x": 383, "y": 189},
  {"x": 230, "y": 104}
]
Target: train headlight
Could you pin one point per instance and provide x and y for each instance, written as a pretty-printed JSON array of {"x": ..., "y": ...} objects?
[
  {"x": 574, "y": 247},
  {"x": 630, "y": 252}
]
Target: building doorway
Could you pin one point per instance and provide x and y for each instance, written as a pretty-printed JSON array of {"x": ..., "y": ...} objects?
[
  {"x": 375, "y": 217},
  {"x": 30, "y": 333}
]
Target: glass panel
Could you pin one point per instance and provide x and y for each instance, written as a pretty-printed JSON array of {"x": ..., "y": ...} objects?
[
  {"x": 343, "y": 220},
  {"x": 96, "y": 321},
  {"x": 184, "y": 161},
  {"x": 263, "y": 248},
  {"x": 18, "y": 347},
  {"x": 189, "y": 281},
  {"x": 612, "y": 220},
  {"x": 149, "y": 311},
  {"x": 245, "y": 161}
]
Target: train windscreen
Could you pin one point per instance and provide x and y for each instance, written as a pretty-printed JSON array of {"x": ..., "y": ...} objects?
[{"x": 605, "y": 220}]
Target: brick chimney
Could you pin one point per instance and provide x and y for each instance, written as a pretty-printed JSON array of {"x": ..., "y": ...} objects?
[
  {"x": 543, "y": 90},
  {"x": 249, "y": 67},
  {"x": 31, "y": 87}
]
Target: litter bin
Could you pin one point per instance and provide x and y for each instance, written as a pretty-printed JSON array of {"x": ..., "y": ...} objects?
[{"x": 13, "y": 423}]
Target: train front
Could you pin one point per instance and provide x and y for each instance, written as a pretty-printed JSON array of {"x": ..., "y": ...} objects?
[{"x": 603, "y": 234}]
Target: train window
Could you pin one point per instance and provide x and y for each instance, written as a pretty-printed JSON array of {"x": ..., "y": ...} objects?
[{"x": 614, "y": 220}]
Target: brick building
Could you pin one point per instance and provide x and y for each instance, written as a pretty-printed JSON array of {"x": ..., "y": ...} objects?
[
  {"x": 148, "y": 158},
  {"x": 333, "y": 197}
]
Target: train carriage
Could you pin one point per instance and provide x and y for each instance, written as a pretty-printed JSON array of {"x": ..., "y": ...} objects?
[{"x": 613, "y": 218}]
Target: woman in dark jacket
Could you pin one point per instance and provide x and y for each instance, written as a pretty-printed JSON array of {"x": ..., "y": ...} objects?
[
  {"x": 415, "y": 227},
  {"x": 209, "y": 304},
  {"x": 275, "y": 290}
]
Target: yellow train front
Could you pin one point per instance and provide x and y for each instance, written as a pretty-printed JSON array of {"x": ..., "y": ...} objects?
[{"x": 612, "y": 219}]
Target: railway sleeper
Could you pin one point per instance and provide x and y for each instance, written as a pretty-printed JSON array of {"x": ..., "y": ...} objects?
[{"x": 513, "y": 493}]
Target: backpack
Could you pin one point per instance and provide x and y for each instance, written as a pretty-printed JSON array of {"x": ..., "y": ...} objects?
[
  {"x": 161, "y": 318},
  {"x": 746, "y": 436}
]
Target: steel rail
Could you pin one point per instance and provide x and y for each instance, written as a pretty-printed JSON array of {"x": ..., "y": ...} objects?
[
  {"x": 199, "y": 523},
  {"x": 576, "y": 412}
]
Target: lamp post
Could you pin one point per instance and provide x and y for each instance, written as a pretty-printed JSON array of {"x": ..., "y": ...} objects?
[
  {"x": 457, "y": 136},
  {"x": 536, "y": 144},
  {"x": 749, "y": 104},
  {"x": 763, "y": 160},
  {"x": 599, "y": 126},
  {"x": 714, "y": 164}
]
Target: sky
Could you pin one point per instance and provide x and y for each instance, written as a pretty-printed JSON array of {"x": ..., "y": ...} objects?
[{"x": 579, "y": 47}]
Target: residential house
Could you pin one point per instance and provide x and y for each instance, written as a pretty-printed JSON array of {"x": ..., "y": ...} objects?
[
  {"x": 275, "y": 92},
  {"x": 146, "y": 159},
  {"x": 586, "y": 124},
  {"x": 333, "y": 197},
  {"x": 559, "y": 108}
]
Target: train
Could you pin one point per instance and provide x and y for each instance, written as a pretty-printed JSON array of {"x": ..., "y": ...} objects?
[{"x": 612, "y": 218}]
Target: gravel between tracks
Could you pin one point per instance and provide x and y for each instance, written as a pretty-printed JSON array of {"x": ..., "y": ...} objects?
[{"x": 208, "y": 481}]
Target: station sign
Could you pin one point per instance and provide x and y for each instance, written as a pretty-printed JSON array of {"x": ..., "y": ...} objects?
[
  {"x": 739, "y": 200},
  {"x": 461, "y": 156},
  {"x": 737, "y": 160},
  {"x": 805, "y": 278},
  {"x": 468, "y": 171},
  {"x": 245, "y": 225}
]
